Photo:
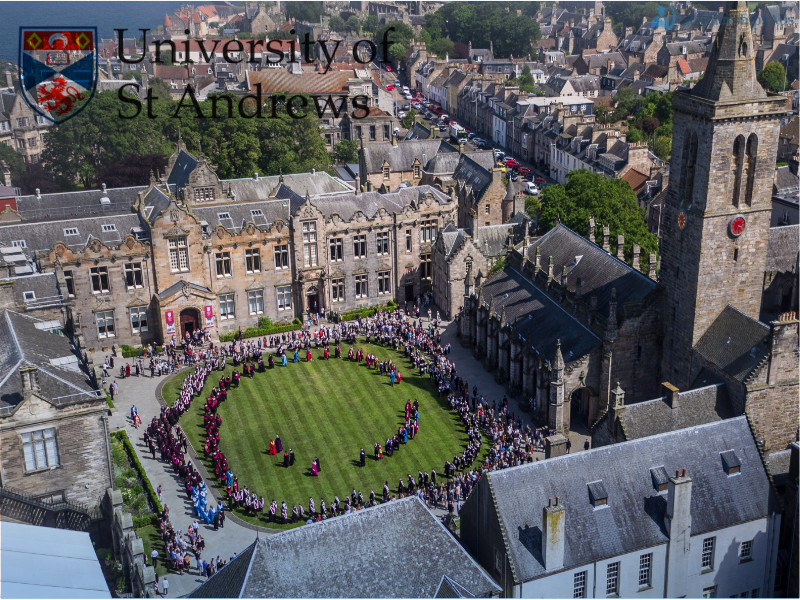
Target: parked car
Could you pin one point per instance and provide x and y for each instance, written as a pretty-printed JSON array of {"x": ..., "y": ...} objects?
[
  {"x": 529, "y": 175},
  {"x": 513, "y": 176},
  {"x": 539, "y": 181},
  {"x": 401, "y": 114},
  {"x": 499, "y": 154},
  {"x": 389, "y": 88},
  {"x": 523, "y": 171},
  {"x": 532, "y": 189},
  {"x": 510, "y": 162},
  {"x": 442, "y": 127},
  {"x": 406, "y": 106},
  {"x": 471, "y": 136}
]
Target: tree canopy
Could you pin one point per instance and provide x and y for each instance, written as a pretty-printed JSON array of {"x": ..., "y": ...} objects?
[
  {"x": 610, "y": 201},
  {"x": 773, "y": 77},
  {"x": 345, "y": 152},
  {"x": 399, "y": 39},
  {"x": 97, "y": 144},
  {"x": 631, "y": 14},
  {"x": 649, "y": 118},
  {"x": 308, "y": 12}
]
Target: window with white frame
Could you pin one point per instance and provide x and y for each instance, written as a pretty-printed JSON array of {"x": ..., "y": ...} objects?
[
  {"x": 282, "y": 256},
  {"x": 99, "y": 276},
  {"x": 204, "y": 194},
  {"x": 710, "y": 592},
  {"x": 109, "y": 227},
  {"x": 224, "y": 268},
  {"x": 428, "y": 230},
  {"x": 579, "y": 585},
  {"x": 138, "y": 319},
  {"x": 337, "y": 289},
  {"x": 707, "y": 557},
  {"x": 409, "y": 241},
  {"x": 310, "y": 243},
  {"x": 29, "y": 296},
  {"x": 360, "y": 246},
  {"x": 133, "y": 275},
  {"x": 252, "y": 259},
  {"x": 18, "y": 244},
  {"x": 255, "y": 301},
  {"x": 226, "y": 307},
  {"x": 284, "y": 297},
  {"x": 337, "y": 249},
  {"x": 71, "y": 231},
  {"x": 386, "y": 172},
  {"x": 384, "y": 283},
  {"x": 40, "y": 449},
  {"x": 645, "y": 569},
  {"x": 746, "y": 550},
  {"x": 612, "y": 579},
  {"x": 178, "y": 254},
  {"x": 105, "y": 324},
  {"x": 382, "y": 239},
  {"x": 361, "y": 286}
]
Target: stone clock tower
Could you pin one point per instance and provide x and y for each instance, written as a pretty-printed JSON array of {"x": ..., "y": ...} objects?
[{"x": 716, "y": 219}]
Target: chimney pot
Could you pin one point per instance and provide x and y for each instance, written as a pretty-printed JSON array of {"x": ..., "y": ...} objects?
[
  {"x": 558, "y": 498},
  {"x": 550, "y": 501},
  {"x": 684, "y": 472},
  {"x": 677, "y": 473}
]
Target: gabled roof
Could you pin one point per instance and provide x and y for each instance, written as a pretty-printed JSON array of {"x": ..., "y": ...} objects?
[
  {"x": 401, "y": 156},
  {"x": 598, "y": 270},
  {"x": 735, "y": 343},
  {"x": 695, "y": 407},
  {"x": 84, "y": 203},
  {"x": 633, "y": 518},
  {"x": 410, "y": 548},
  {"x": 786, "y": 182},
  {"x": 179, "y": 285},
  {"x": 24, "y": 344},
  {"x": 346, "y": 205},
  {"x": 184, "y": 165},
  {"x": 636, "y": 179}
]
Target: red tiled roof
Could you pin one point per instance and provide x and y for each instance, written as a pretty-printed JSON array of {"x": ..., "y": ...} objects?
[
  {"x": 167, "y": 21},
  {"x": 635, "y": 178},
  {"x": 279, "y": 80},
  {"x": 170, "y": 72},
  {"x": 684, "y": 66},
  {"x": 209, "y": 10},
  {"x": 196, "y": 18},
  {"x": 286, "y": 26}
]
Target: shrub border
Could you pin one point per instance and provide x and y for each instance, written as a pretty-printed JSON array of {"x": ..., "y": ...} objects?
[{"x": 126, "y": 442}]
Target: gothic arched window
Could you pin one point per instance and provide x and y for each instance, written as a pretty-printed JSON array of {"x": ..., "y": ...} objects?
[
  {"x": 750, "y": 166},
  {"x": 737, "y": 160},
  {"x": 688, "y": 169}
]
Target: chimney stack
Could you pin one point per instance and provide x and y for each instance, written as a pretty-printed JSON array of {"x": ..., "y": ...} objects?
[
  {"x": 606, "y": 235},
  {"x": 9, "y": 78},
  {"x": 550, "y": 270},
  {"x": 678, "y": 522},
  {"x": 651, "y": 269},
  {"x": 6, "y": 173},
  {"x": 636, "y": 251},
  {"x": 671, "y": 392},
  {"x": 621, "y": 247},
  {"x": 30, "y": 379},
  {"x": 553, "y": 535},
  {"x": 590, "y": 233}
]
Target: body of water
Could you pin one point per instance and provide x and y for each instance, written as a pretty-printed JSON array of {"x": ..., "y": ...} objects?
[{"x": 106, "y": 16}]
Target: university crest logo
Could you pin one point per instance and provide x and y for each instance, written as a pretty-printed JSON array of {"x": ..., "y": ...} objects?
[{"x": 58, "y": 69}]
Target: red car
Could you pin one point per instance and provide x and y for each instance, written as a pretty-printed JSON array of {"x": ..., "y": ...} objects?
[
  {"x": 523, "y": 171},
  {"x": 389, "y": 88},
  {"x": 539, "y": 181},
  {"x": 510, "y": 162}
]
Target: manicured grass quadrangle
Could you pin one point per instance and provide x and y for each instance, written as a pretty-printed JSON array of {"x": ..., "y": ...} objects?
[{"x": 328, "y": 409}]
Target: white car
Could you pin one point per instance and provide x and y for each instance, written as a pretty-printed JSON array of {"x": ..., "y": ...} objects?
[{"x": 531, "y": 188}]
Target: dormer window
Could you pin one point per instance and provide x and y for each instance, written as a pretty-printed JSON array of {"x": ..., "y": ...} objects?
[
  {"x": 71, "y": 231},
  {"x": 660, "y": 479},
  {"x": 731, "y": 462},
  {"x": 107, "y": 227},
  {"x": 598, "y": 494},
  {"x": 386, "y": 171}
]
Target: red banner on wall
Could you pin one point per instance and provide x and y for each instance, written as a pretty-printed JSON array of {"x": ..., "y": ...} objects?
[
  {"x": 209, "y": 312},
  {"x": 169, "y": 318}
]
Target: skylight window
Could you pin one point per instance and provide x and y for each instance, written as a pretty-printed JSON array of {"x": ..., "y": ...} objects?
[
  {"x": 109, "y": 227},
  {"x": 71, "y": 231}
]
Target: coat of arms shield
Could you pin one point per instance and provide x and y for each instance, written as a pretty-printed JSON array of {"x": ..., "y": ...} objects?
[{"x": 57, "y": 69}]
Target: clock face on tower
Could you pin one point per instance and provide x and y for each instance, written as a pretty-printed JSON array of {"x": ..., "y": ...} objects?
[{"x": 737, "y": 225}]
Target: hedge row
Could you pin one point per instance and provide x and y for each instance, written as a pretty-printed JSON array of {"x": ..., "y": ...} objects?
[
  {"x": 260, "y": 331},
  {"x": 131, "y": 352},
  {"x": 108, "y": 400},
  {"x": 148, "y": 487},
  {"x": 369, "y": 311}
]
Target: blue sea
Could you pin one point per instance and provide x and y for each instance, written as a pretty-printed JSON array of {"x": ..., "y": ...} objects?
[{"x": 106, "y": 16}]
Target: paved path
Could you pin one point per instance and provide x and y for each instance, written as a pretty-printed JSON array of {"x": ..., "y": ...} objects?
[{"x": 144, "y": 392}]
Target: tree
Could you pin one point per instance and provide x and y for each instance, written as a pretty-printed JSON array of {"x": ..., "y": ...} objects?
[
  {"x": 662, "y": 147},
  {"x": 306, "y": 12},
  {"x": 15, "y": 163},
  {"x": 442, "y": 47},
  {"x": 409, "y": 119},
  {"x": 610, "y": 201},
  {"x": 634, "y": 135},
  {"x": 345, "y": 152},
  {"x": 370, "y": 23},
  {"x": 161, "y": 89},
  {"x": 602, "y": 114},
  {"x": 532, "y": 206},
  {"x": 337, "y": 23},
  {"x": 773, "y": 77},
  {"x": 402, "y": 35},
  {"x": 397, "y": 52},
  {"x": 630, "y": 14},
  {"x": 353, "y": 24}
]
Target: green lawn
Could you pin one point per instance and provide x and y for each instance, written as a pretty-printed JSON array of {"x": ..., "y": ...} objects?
[{"x": 330, "y": 409}]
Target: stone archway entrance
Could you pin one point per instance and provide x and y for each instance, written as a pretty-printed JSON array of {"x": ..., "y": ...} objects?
[
  {"x": 190, "y": 321},
  {"x": 313, "y": 305},
  {"x": 580, "y": 408}
]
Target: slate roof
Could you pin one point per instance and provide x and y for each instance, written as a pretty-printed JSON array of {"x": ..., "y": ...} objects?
[
  {"x": 24, "y": 344},
  {"x": 85, "y": 203},
  {"x": 243, "y": 213},
  {"x": 44, "y": 235},
  {"x": 538, "y": 319},
  {"x": 695, "y": 407},
  {"x": 228, "y": 581},
  {"x": 418, "y": 132},
  {"x": 183, "y": 166},
  {"x": 473, "y": 173},
  {"x": 598, "y": 270},
  {"x": 452, "y": 240},
  {"x": 493, "y": 239},
  {"x": 735, "y": 343},
  {"x": 782, "y": 249},
  {"x": 43, "y": 285},
  {"x": 634, "y": 516},
  {"x": 410, "y": 549},
  {"x": 786, "y": 182},
  {"x": 401, "y": 156},
  {"x": 346, "y": 205}
]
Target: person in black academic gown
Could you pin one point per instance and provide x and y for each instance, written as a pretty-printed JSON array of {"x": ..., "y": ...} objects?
[
  {"x": 363, "y": 458},
  {"x": 291, "y": 457},
  {"x": 286, "y": 459}
]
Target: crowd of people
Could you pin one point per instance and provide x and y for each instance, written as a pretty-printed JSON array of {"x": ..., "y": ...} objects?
[{"x": 509, "y": 442}]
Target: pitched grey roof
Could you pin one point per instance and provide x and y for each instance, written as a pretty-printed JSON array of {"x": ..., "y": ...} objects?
[
  {"x": 85, "y": 203},
  {"x": 598, "y": 270},
  {"x": 228, "y": 581},
  {"x": 24, "y": 345},
  {"x": 735, "y": 343},
  {"x": 786, "y": 182},
  {"x": 318, "y": 182},
  {"x": 634, "y": 516},
  {"x": 695, "y": 407},
  {"x": 493, "y": 239},
  {"x": 401, "y": 157},
  {"x": 406, "y": 544},
  {"x": 43, "y": 235},
  {"x": 418, "y": 132},
  {"x": 44, "y": 287},
  {"x": 452, "y": 241},
  {"x": 369, "y": 203},
  {"x": 782, "y": 249},
  {"x": 537, "y": 318},
  {"x": 184, "y": 165},
  {"x": 261, "y": 214}
]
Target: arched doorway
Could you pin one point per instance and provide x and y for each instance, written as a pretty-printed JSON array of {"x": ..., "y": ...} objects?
[
  {"x": 190, "y": 321},
  {"x": 580, "y": 409},
  {"x": 312, "y": 300}
]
